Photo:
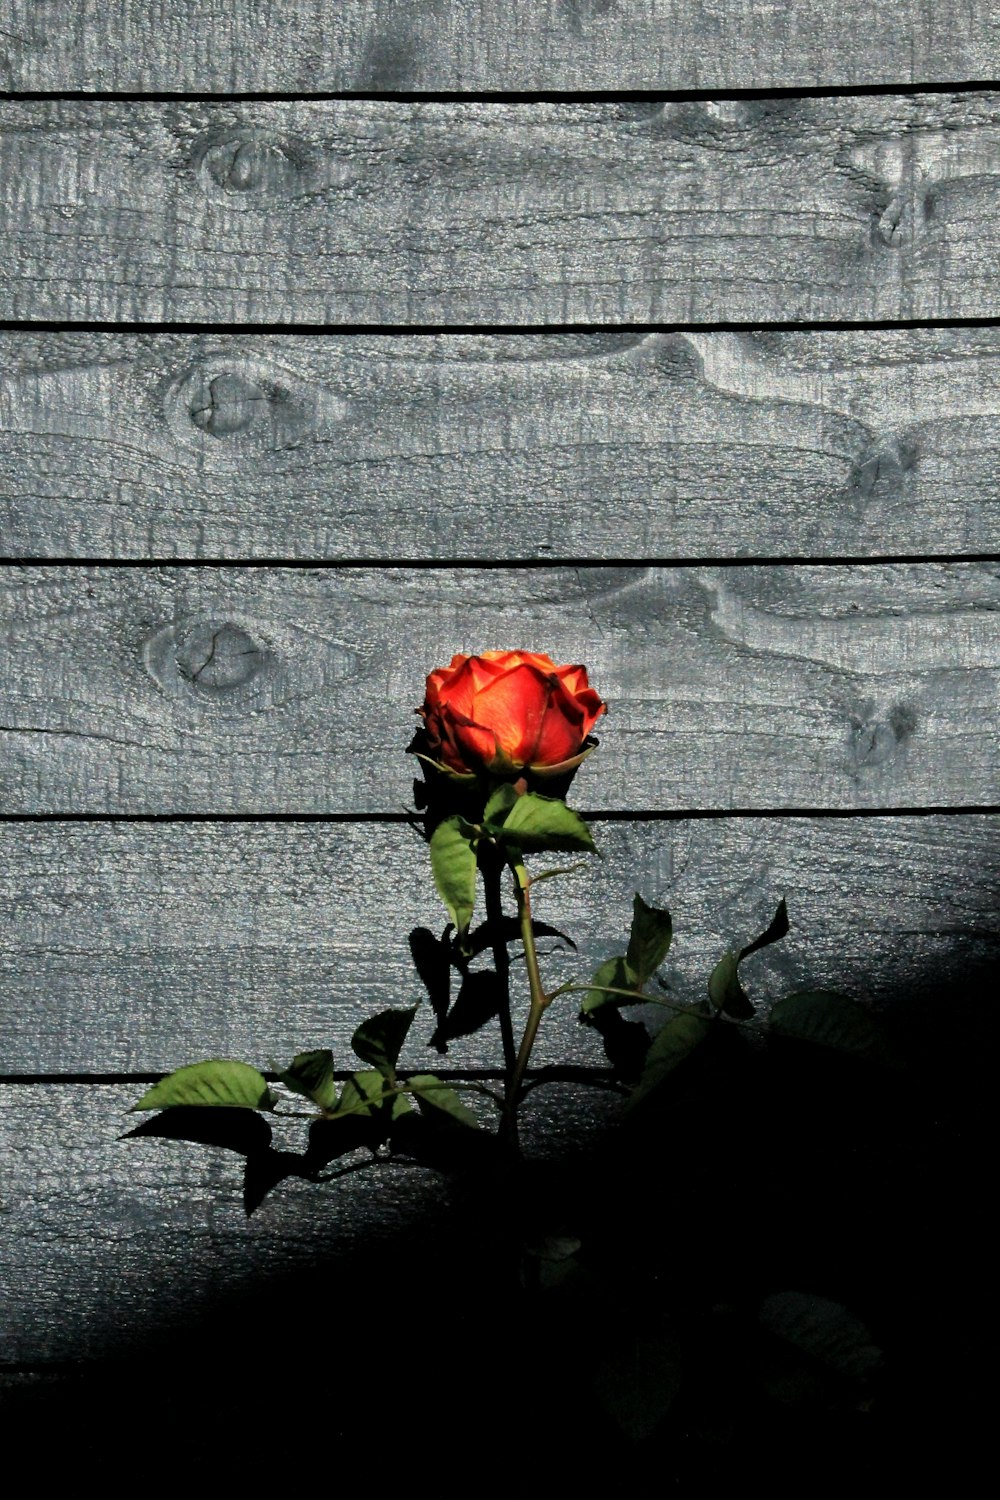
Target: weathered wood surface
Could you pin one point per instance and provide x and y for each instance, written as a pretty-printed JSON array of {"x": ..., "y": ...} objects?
[
  {"x": 107, "y": 1245},
  {"x": 354, "y": 211},
  {"x": 499, "y": 447},
  {"x": 269, "y": 690},
  {"x": 137, "y": 948},
  {"x": 465, "y": 45}
]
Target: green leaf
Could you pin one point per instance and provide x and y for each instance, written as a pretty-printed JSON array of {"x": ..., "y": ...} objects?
[
  {"x": 616, "y": 974},
  {"x": 453, "y": 863},
  {"x": 499, "y": 804},
  {"x": 649, "y": 939},
  {"x": 435, "y": 1098},
  {"x": 724, "y": 988},
  {"x": 311, "y": 1074},
  {"x": 725, "y": 991},
  {"x": 637, "y": 1383},
  {"x": 830, "y": 1020},
  {"x": 535, "y": 823},
  {"x": 364, "y": 1094},
  {"x": 234, "y": 1085},
  {"x": 774, "y": 933},
  {"x": 671, "y": 1046},
  {"x": 380, "y": 1039},
  {"x": 824, "y": 1330}
]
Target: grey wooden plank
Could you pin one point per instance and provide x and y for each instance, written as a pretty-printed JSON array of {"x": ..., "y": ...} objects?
[
  {"x": 356, "y": 211},
  {"x": 142, "y": 947},
  {"x": 499, "y": 447},
  {"x": 262, "y": 690},
  {"x": 461, "y": 44},
  {"x": 108, "y": 1246}
]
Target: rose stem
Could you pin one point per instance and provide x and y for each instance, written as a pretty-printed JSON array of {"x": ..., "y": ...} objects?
[
  {"x": 492, "y": 870},
  {"x": 539, "y": 999}
]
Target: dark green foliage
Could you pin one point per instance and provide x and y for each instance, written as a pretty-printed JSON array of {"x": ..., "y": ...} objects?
[
  {"x": 672, "y": 1045},
  {"x": 311, "y": 1074},
  {"x": 724, "y": 988},
  {"x": 830, "y": 1020},
  {"x": 649, "y": 940},
  {"x": 379, "y": 1040}
]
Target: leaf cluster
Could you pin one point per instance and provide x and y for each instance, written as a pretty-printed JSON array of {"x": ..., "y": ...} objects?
[
  {"x": 512, "y": 825},
  {"x": 368, "y": 1109},
  {"x": 823, "y": 1017}
]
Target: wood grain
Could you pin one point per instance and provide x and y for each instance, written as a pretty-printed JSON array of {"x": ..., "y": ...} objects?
[
  {"x": 462, "y": 44},
  {"x": 292, "y": 690},
  {"x": 138, "y": 948},
  {"x": 790, "y": 209},
  {"x": 706, "y": 445}
]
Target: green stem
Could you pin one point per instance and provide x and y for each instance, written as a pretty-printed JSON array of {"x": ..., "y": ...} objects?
[
  {"x": 492, "y": 870},
  {"x": 539, "y": 999},
  {"x": 572, "y": 988}
]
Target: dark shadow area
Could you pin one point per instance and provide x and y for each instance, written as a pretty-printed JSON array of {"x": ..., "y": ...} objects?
[{"x": 779, "y": 1270}]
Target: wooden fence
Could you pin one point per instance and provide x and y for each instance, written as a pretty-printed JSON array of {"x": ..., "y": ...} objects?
[{"x": 660, "y": 336}]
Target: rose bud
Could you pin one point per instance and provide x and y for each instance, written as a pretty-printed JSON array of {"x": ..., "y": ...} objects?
[{"x": 505, "y": 712}]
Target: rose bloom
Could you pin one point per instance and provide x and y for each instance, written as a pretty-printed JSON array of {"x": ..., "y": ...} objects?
[{"x": 508, "y": 711}]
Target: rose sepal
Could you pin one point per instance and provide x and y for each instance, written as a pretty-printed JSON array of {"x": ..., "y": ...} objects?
[
  {"x": 465, "y": 777},
  {"x": 543, "y": 773}
]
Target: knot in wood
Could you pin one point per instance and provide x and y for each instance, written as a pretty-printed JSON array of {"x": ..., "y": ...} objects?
[
  {"x": 219, "y": 656},
  {"x": 228, "y": 404},
  {"x": 254, "y": 164}
]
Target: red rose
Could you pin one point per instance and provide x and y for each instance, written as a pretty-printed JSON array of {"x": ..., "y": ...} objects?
[{"x": 508, "y": 711}]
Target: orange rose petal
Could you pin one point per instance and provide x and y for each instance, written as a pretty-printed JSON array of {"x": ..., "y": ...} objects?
[
  {"x": 459, "y": 691},
  {"x": 513, "y": 706},
  {"x": 484, "y": 671},
  {"x": 558, "y": 740},
  {"x": 476, "y": 742},
  {"x": 572, "y": 678},
  {"x": 592, "y": 705}
]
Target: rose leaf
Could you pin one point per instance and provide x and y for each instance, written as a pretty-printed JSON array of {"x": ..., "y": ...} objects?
[
  {"x": 614, "y": 974},
  {"x": 216, "y": 1082},
  {"x": 380, "y": 1039},
  {"x": 364, "y": 1093},
  {"x": 649, "y": 939},
  {"x": 311, "y": 1074},
  {"x": 536, "y": 823},
  {"x": 828, "y": 1019},
  {"x": 724, "y": 988},
  {"x": 436, "y": 1099},
  {"x": 453, "y": 864},
  {"x": 499, "y": 804},
  {"x": 671, "y": 1046},
  {"x": 637, "y": 1383}
]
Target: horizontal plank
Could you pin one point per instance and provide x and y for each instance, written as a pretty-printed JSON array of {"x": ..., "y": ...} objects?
[
  {"x": 416, "y": 213},
  {"x": 506, "y": 447},
  {"x": 142, "y": 947},
  {"x": 292, "y": 690},
  {"x": 461, "y": 44}
]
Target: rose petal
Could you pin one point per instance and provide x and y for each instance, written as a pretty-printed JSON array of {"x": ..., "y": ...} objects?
[
  {"x": 562, "y": 731},
  {"x": 477, "y": 743},
  {"x": 592, "y": 705},
  {"x": 573, "y": 678},
  {"x": 459, "y": 688},
  {"x": 514, "y": 706}
]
